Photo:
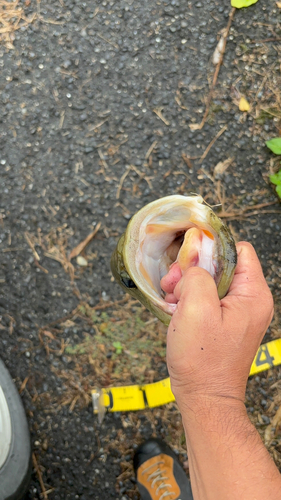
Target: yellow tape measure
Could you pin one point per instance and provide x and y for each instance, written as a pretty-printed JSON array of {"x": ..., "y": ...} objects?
[{"x": 139, "y": 397}]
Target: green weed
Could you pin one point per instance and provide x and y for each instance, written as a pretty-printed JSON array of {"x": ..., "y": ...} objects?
[{"x": 275, "y": 146}]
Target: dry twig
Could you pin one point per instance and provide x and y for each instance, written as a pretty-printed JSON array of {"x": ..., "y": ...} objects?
[
  {"x": 31, "y": 245},
  {"x": 36, "y": 467},
  {"x": 249, "y": 211},
  {"x": 212, "y": 143},
  {"x": 123, "y": 177},
  {"x": 158, "y": 112},
  {"x": 23, "y": 385},
  {"x": 79, "y": 248},
  {"x": 266, "y": 40},
  {"x": 108, "y": 41},
  {"x": 186, "y": 159},
  {"x": 40, "y": 267},
  {"x": 149, "y": 151},
  {"x": 199, "y": 126}
]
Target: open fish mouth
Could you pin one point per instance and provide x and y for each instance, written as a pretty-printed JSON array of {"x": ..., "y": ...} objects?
[{"x": 172, "y": 229}]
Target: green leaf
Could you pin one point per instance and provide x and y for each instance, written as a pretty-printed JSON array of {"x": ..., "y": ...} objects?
[
  {"x": 275, "y": 145},
  {"x": 276, "y": 178},
  {"x": 278, "y": 190},
  {"x": 242, "y": 3},
  {"x": 118, "y": 346}
]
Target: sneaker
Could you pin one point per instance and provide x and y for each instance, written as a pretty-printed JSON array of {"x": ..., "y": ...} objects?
[{"x": 159, "y": 474}]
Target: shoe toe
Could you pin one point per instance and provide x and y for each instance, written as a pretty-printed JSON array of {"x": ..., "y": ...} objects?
[{"x": 147, "y": 450}]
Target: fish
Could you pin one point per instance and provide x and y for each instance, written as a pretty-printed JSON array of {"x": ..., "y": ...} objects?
[{"x": 176, "y": 228}]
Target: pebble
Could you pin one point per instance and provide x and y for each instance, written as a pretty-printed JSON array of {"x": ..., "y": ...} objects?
[
  {"x": 266, "y": 419},
  {"x": 105, "y": 296},
  {"x": 66, "y": 64},
  {"x": 81, "y": 261}
]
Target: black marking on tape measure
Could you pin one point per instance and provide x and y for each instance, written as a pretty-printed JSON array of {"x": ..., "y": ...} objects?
[
  {"x": 264, "y": 353},
  {"x": 110, "y": 406},
  {"x": 144, "y": 397}
]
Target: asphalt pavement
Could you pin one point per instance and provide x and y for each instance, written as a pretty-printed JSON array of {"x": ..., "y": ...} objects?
[{"x": 99, "y": 106}]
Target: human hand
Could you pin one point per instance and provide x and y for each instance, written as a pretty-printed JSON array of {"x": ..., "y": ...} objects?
[{"x": 211, "y": 343}]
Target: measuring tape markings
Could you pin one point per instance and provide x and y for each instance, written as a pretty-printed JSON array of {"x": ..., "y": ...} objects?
[
  {"x": 268, "y": 355},
  {"x": 139, "y": 397}
]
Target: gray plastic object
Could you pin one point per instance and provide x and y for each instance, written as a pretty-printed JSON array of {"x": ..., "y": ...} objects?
[{"x": 15, "y": 447}]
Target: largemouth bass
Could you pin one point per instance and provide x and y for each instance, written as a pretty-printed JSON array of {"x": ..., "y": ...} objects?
[{"x": 179, "y": 229}]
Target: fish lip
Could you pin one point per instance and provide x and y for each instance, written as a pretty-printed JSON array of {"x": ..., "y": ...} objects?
[{"x": 169, "y": 308}]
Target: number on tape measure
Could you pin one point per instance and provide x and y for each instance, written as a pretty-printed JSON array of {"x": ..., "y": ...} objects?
[{"x": 264, "y": 357}]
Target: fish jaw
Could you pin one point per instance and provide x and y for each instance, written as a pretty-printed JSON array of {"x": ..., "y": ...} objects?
[{"x": 124, "y": 279}]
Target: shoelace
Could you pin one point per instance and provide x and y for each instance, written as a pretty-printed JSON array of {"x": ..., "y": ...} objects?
[{"x": 156, "y": 476}]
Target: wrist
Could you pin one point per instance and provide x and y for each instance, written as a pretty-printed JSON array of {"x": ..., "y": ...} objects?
[
  {"x": 209, "y": 393},
  {"x": 211, "y": 411}
]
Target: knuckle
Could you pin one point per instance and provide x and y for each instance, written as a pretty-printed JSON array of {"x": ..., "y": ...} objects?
[{"x": 245, "y": 244}]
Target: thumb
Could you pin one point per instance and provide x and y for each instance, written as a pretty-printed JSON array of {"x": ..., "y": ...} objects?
[{"x": 197, "y": 294}]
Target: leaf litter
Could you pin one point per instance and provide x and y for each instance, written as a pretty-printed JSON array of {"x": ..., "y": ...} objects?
[{"x": 12, "y": 18}]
